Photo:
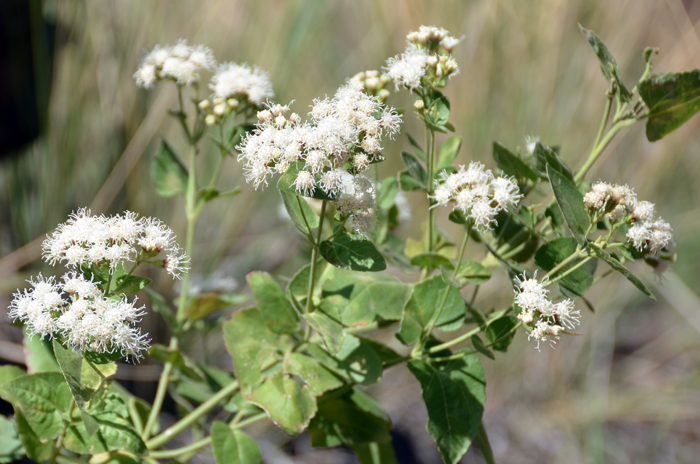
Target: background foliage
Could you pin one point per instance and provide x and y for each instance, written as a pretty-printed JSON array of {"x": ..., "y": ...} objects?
[{"x": 626, "y": 391}]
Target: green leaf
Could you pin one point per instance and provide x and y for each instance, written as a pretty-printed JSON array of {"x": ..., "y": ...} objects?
[
  {"x": 549, "y": 157},
  {"x": 449, "y": 151},
  {"x": 286, "y": 182},
  {"x": 615, "y": 264},
  {"x": 408, "y": 182},
  {"x": 330, "y": 330},
  {"x": 302, "y": 215},
  {"x": 421, "y": 307},
  {"x": 233, "y": 446},
  {"x": 37, "y": 448},
  {"x": 10, "y": 372},
  {"x": 348, "y": 253},
  {"x": 161, "y": 306},
  {"x": 482, "y": 442},
  {"x": 10, "y": 444},
  {"x": 481, "y": 348},
  {"x": 354, "y": 418},
  {"x": 83, "y": 377},
  {"x": 556, "y": 251},
  {"x": 375, "y": 453},
  {"x": 388, "y": 190},
  {"x": 500, "y": 332},
  {"x": 570, "y": 201},
  {"x": 457, "y": 217},
  {"x": 39, "y": 354},
  {"x": 168, "y": 174},
  {"x": 511, "y": 231},
  {"x": 553, "y": 212},
  {"x": 286, "y": 400},
  {"x": 273, "y": 303},
  {"x": 511, "y": 164},
  {"x": 204, "y": 304},
  {"x": 672, "y": 99},
  {"x": 415, "y": 168},
  {"x": 367, "y": 297},
  {"x": 454, "y": 394},
  {"x": 252, "y": 345},
  {"x": 430, "y": 260},
  {"x": 131, "y": 285},
  {"x": 416, "y": 148},
  {"x": 358, "y": 361},
  {"x": 181, "y": 361},
  {"x": 607, "y": 63},
  {"x": 318, "y": 378},
  {"x": 38, "y": 398}
]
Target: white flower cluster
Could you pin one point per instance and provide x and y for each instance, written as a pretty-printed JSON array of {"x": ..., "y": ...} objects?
[
  {"x": 647, "y": 232},
  {"x": 356, "y": 202},
  {"x": 181, "y": 63},
  {"x": 240, "y": 81},
  {"x": 373, "y": 83},
  {"x": 531, "y": 297},
  {"x": 97, "y": 240},
  {"x": 345, "y": 128},
  {"x": 476, "y": 193},
  {"x": 427, "y": 55},
  {"x": 77, "y": 311}
]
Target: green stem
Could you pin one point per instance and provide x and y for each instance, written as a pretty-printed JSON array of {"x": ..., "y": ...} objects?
[
  {"x": 204, "y": 408},
  {"x": 600, "y": 147},
  {"x": 191, "y": 213},
  {"x": 430, "y": 156},
  {"x": 436, "y": 317},
  {"x": 59, "y": 441},
  {"x": 606, "y": 116},
  {"x": 568, "y": 271},
  {"x": 455, "y": 341},
  {"x": 160, "y": 394},
  {"x": 314, "y": 259},
  {"x": 573, "y": 256}
]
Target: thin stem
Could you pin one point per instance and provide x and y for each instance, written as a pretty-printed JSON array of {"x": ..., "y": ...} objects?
[
  {"x": 306, "y": 222},
  {"x": 436, "y": 317},
  {"x": 59, "y": 441},
  {"x": 160, "y": 394},
  {"x": 604, "y": 122},
  {"x": 314, "y": 259},
  {"x": 455, "y": 341},
  {"x": 430, "y": 156},
  {"x": 573, "y": 256},
  {"x": 600, "y": 147},
  {"x": 191, "y": 214},
  {"x": 204, "y": 408},
  {"x": 568, "y": 271}
]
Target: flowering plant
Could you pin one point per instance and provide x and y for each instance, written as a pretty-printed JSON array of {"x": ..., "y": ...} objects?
[{"x": 302, "y": 355}]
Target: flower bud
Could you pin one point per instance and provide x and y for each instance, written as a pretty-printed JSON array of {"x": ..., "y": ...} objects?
[
  {"x": 294, "y": 118},
  {"x": 372, "y": 83},
  {"x": 204, "y": 105},
  {"x": 384, "y": 79},
  {"x": 383, "y": 95},
  {"x": 232, "y": 103},
  {"x": 419, "y": 105},
  {"x": 432, "y": 61},
  {"x": 210, "y": 120},
  {"x": 450, "y": 66},
  {"x": 280, "y": 121},
  {"x": 264, "y": 115},
  {"x": 219, "y": 101},
  {"x": 219, "y": 110}
]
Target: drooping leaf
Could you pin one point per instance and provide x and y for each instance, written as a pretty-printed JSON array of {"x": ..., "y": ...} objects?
[
  {"x": 355, "y": 254},
  {"x": 301, "y": 214},
  {"x": 233, "y": 446},
  {"x": 168, "y": 174},
  {"x": 672, "y": 99},
  {"x": 367, "y": 296},
  {"x": 481, "y": 348},
  {"x": 388, "y": 190},
  {"x": 607, "y": 63},
  {"x": 449, "y": 151},
  {"x": 203, "y": 304},
  {"x": 415, "y": 169},
  {"x": 482, "y": 442},
  {"x": 615, "y": 264},
  {"x": 83, "y": 377},
  {"x": 556, "y": 251},
  {"x": 354, "y": 418},
  {"x": 286, "y": 400},
  {"x": 420, "y": 308},
  {"x": 273, "y": 303},
  {"x": 37, "y": 448},
  {"x": 511, "y": 164},
  {"x": 252, "y": 346},
  {"x": 408, "y": 182},
  {"x": 500, "y": 332},
  {"x": 571, "y": 203},
  {"x": 547, "y": 156},
  {"x": 38, "y": 397},
  {"x": 417, "y": 149},
  {"x": 454, "y": 394}
]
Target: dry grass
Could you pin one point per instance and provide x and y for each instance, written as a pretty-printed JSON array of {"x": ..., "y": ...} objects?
[{"x": 626, "y": 391}]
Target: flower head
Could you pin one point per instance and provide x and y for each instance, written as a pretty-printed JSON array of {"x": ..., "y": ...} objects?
[
  {"x": 241, "y": 81},
  {"x": 181, "y": 63}
]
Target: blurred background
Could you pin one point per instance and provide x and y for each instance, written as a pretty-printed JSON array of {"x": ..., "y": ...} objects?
[{"x": 76, "y": 131}]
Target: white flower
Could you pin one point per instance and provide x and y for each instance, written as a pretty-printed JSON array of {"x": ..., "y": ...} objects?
[
  {"x": 531, "y": 142},
  {"x": 242, "y": 81},
  {"x": 176, "y": 262},
  {"x": 305, "y": 183},
  {"x": 408, "y": 68},
  {"x": 360, "y": 162},
  {"x": 356, "y": 202},
  {"x": 181, "y": 63},
  {"x": 505, "y": 192},
  {"x": 644, "y": 211}
]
